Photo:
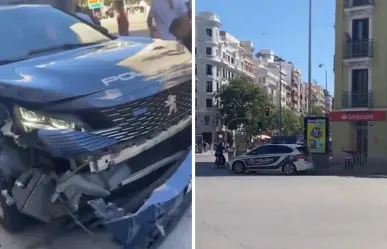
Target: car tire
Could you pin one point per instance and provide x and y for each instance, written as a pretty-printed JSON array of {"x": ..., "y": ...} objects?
[
  {"x": 289, "y": 169},
  {"x": 10, "y": 218},
  {"x": 239, "y": 167}
]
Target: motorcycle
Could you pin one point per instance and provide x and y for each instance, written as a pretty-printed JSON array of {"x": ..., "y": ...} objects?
[{"x": 220, "y": 161}]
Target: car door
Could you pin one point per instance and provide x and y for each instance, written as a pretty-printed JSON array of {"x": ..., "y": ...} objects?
[
  {"x": 253, "y": 157},
  {"x": 271, "y": 158}
]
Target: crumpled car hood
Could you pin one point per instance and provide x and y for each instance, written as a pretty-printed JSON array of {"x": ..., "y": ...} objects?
[{"x": 167, "y": 202}]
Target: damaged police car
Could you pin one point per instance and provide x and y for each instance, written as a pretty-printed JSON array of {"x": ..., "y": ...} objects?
[{"x": 91, "y": 125}]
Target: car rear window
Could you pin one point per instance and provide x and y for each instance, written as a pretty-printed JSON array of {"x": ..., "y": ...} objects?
[{"x": 303, "y": 150}]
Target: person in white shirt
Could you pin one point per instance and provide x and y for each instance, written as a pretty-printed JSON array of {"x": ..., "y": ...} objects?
[{"x": 163, "y": 12}]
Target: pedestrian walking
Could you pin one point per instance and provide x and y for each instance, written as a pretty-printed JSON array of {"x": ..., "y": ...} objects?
[
  {"x": 122, "y": 18},
  {"x": 171, "y": 21}
]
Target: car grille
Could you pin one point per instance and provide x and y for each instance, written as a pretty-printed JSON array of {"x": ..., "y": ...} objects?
[{"x": 146, "y": 117}]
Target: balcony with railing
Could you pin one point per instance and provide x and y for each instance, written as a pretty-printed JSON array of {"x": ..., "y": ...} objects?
[
  {"x": 358, "y": 49},
  {"x": 357, "y": 99},
  {"x": 349, "y": 4}
]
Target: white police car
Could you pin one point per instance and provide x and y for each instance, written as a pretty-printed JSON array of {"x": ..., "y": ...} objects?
[{"x": 286, "y": 158}]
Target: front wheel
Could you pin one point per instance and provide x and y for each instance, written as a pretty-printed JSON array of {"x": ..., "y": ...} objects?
[
  {"x": 289, "y": 169},
  {"x": 239, "y": 167}
]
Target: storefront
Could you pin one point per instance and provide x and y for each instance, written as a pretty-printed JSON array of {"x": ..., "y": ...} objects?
[{"x": 361, "y": 131}]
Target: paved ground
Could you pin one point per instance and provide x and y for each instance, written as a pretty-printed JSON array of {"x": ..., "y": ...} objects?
[
  {"x": 137, "y": 25},
  {"x": 33, "y": 238},
  {"x": 278, "y": 212}
]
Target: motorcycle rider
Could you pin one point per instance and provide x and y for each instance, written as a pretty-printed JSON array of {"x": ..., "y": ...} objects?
[{"x": 219, "y": 151}]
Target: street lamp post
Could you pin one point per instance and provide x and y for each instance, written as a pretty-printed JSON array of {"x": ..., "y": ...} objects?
[
  {"x": 310, "y": 60},
  {"x": 326, "y": 86}
]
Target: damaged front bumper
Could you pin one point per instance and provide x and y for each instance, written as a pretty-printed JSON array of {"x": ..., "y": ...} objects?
[{"x": 158, "y": 215}]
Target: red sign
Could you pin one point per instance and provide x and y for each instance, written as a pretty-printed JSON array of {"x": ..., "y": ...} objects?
[{"x": 357, "y": 116}]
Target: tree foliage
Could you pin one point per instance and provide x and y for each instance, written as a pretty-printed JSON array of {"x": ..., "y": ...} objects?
[
  {"x": 291, "y": 122},
  {"x": 317, "y": 111},
  {"x": 243, "y": 103}
]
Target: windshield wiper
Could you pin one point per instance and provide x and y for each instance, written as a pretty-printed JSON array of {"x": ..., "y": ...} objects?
[{"x": 62, "y": 47}]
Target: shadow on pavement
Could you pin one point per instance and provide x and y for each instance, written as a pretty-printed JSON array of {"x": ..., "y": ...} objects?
[
  {"x": 350, "y": 175},
  {"x": 207, "y": 169}
]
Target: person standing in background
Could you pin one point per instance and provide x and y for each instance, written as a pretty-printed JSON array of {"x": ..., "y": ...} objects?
[
  {"x": 122, "y": 18},
  {"x": 181, "y": 28},
  {"x": 166, "y": 14}
]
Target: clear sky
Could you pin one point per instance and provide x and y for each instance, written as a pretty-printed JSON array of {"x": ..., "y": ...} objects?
[{"x": 282, "y": 25}]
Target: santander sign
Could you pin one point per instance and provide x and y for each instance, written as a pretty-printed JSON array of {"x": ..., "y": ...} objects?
[{"x": 357, "y": 116}]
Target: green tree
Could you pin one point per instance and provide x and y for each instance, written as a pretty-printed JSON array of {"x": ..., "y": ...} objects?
[
  {"x": 243, "y": 103},
  {"x": 317, "y": 111},
  {"x": 291, "y": 122}
]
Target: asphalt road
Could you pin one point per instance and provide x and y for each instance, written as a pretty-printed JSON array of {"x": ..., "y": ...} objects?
[
  {"x": 296, "y": 212},
  {"x": 34, "y": 236}
]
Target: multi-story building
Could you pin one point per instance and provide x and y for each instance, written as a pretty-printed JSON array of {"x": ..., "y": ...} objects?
[
  {"x": 287, "y": 87},
  {"x": 269, "y": 70},
  {"x": 358, "y": 118},
  {"x": 318, "y": 97},
  {"x": 296, "y": 83},
  {"x": 294, "y": 94},
  {"x": 303, "y": 97},
  {"x": 219, "y": 58},
  {"x": 267, "y": 80}
]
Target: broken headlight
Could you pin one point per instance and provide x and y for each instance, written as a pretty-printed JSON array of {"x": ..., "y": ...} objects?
[{"x": 31, "y": 120}]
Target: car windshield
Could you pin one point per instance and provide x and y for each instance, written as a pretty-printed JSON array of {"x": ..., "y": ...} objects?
[{"x": 26, "y": 29}]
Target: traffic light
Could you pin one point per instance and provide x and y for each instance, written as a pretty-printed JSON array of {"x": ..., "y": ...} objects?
[
  {"x": 260, "y": 128},
  {"x": 267, "y": 111}
]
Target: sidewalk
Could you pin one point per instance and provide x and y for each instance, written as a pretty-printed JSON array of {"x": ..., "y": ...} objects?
[{"x": 137, "y": 25}]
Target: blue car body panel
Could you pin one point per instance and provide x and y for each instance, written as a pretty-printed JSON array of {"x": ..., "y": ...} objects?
[{"x": 132, "y": 230}]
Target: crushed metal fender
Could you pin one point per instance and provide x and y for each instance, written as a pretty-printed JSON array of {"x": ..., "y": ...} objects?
[{"x": 166, "y": 205}]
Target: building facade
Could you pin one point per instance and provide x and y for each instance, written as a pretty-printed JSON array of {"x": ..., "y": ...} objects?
[
  {"x": 296, "y": 83},
  {"x": 269, "y": 71},
  {"x": 219, "y": 58},
  {"x": 358, "y": 118}
]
